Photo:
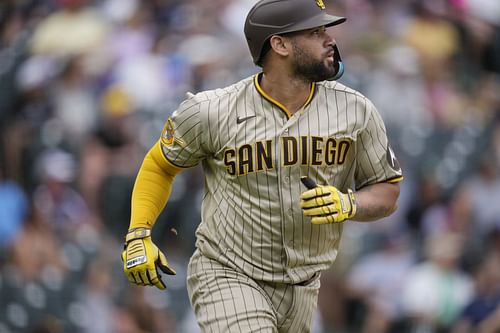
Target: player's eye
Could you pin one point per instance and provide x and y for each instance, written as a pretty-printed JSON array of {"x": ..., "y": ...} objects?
[{"x": 319, "y": 31}]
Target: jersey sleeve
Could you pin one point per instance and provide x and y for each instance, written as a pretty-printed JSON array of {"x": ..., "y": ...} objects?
[
  {"x": 376, "y": 161},
  {"x": 182, "y": 137}
]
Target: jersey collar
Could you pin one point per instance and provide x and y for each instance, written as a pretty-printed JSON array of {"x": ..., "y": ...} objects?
[{"x": 283, "y": 108}]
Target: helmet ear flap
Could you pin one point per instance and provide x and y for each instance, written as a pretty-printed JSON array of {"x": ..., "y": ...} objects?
[{"x": 337, "y": 62}]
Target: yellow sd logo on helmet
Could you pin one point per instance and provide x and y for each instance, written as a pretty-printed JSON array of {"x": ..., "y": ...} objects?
[{"x": 320, "y": 4}]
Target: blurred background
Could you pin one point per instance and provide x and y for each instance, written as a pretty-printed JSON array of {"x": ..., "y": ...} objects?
[{"x": 85, "y": 89}]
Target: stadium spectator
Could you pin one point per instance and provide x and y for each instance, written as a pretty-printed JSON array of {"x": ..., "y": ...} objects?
[
  {"x": 436, "y": 289},
  {"x": 482, "y": 313}
]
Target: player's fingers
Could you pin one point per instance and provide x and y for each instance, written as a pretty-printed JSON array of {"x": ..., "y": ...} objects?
[
  {"x": 315, "y": 192},
  {"x": 313, "y": 210},
  {"x": 145, "y": 277},
  {"x": 138, "y": 279},
  {"x": 160, "y": 285},
  {"x": 162, "y": 264},
  {"x": 325, "y": 219},
  {"x": 152, "y": 275},
  {"x": 158, "y": 282},
  {"x": 155, "y": 279},
  {"x": 131, "y": 278},
  {"x": 320, "y": 211},
  {"x": 317, "y": 201}
]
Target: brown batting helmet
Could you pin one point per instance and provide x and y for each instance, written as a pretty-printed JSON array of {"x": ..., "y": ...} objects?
[{"x": 274, "y": 17}]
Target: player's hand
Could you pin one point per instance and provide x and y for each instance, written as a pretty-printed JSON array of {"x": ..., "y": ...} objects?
[
  {"x": 326, "y": 204},
  {"x": 142, "y": 259}
]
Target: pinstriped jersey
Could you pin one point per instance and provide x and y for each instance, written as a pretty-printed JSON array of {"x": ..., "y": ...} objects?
[{"x": 254, "y": 152}]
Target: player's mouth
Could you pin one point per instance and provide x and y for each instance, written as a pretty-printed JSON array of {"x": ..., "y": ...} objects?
[{"x": 330, "y": 54}]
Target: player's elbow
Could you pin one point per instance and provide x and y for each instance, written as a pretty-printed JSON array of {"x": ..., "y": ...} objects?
[
  {"x": 376, "y": 201},
  {"x": 384, "y": 211},
  {"x": 387, "y": 194},
  {"x": 391, "y": 209},
  {"x": 392, "y": 202}
]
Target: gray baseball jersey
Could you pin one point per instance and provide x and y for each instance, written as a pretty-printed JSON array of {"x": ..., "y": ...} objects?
[{"x": 254, "y": 152}]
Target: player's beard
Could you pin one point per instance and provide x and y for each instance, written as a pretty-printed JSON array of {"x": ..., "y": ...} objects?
[{"x": 307, "y": 67}]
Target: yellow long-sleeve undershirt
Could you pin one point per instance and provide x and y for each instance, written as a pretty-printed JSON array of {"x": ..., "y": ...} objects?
[{"x": 152, "y": 188}]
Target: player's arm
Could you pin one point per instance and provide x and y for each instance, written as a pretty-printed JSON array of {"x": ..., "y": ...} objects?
[
  {"x": 377, "y": 176},
  {"x": 376, "y": 201},
  {"x": 378, "y": 171},
  {"x": 142, "y": 259},
  {"x": 152, "y": 188}
]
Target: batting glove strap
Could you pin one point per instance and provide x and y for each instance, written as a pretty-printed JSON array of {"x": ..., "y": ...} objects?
[
  {"x": 137, "y": 234},
  {"x": 352, "y": 201},
  {"x": 326, "y": 204}
]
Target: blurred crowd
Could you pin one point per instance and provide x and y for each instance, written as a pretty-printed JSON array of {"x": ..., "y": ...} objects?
[{"x": 85, "y": 89}]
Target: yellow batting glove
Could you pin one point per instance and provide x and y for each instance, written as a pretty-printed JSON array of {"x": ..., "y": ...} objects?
[
  {"x": 142, "y": 259},
  {"x": 326, "y": 204}
]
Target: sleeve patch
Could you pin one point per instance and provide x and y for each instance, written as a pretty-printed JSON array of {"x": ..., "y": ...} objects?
[
  {"x": 168, "y": 134},
  {"x": 392, "y": 160}
]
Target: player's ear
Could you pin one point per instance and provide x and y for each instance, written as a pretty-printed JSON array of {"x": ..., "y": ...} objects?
[{"x": 280, "y": 45}]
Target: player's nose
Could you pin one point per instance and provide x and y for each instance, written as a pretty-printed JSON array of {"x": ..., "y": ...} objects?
[{"x": 330, "y": 41}]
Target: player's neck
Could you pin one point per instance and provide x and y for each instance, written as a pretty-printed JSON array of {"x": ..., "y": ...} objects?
[{"x": 290, "y": 92}]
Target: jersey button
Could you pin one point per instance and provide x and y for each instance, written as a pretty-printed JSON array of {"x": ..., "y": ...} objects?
[{"x": 286, "y": 179}]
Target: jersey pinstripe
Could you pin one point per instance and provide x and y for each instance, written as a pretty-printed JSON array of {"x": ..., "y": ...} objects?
[{"x": 254, "y": 152}]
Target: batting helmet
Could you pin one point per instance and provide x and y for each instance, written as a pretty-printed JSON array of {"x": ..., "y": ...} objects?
[{"x": 274, "y": 17}]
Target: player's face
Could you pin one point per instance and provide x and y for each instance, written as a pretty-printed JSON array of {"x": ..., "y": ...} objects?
[{"x": 313, "y": 55}]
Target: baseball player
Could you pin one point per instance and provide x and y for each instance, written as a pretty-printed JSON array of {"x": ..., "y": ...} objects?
[{"x": 265, "y": 236}]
